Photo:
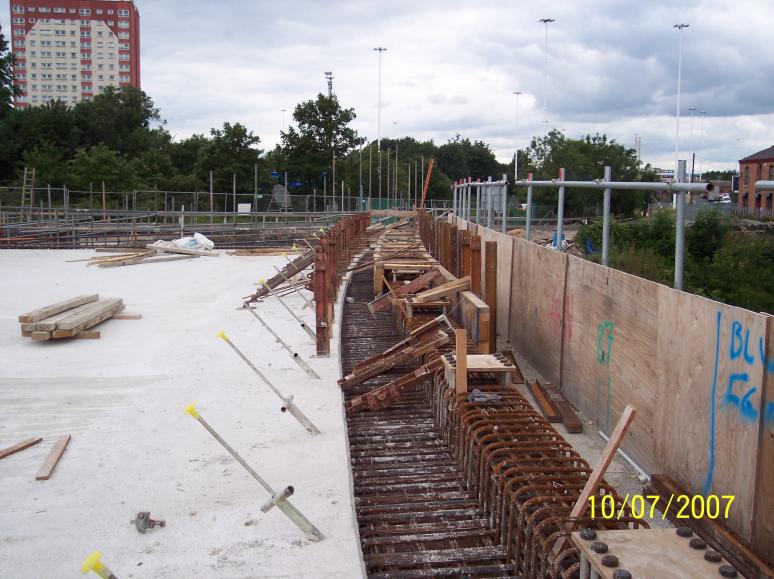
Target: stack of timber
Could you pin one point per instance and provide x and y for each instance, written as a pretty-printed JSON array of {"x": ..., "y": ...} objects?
[
  {"x": 151, "y": 254},
  {"x": 69, "y": 318}
]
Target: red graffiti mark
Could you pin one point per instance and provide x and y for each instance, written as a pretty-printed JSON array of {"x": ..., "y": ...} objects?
[{"x": 559, "y": 310}]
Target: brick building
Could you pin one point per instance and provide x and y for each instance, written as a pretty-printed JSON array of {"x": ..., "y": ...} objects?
[
  {"x": 757, "y": 167},
  {"x": 70, "y": 50}
]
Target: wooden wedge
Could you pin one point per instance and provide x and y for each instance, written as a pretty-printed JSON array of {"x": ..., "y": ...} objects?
[{"x": 48, "y": 311}]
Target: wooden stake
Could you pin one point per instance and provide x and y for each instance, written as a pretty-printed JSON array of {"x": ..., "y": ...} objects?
[
  {"x": 475, "y": 264},
  {"x": 491, "y": 292},
  {"x": 465, "y": 253},
  {"x": 595, "y": 478},
  {"x": 461, "y": 350}
]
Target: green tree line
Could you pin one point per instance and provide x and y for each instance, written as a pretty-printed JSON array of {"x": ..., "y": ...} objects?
[{"x": 120, "y": 139}]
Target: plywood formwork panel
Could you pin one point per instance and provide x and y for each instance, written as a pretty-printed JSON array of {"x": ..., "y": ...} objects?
[
  {"x": 504, "y": 274},
  {"x": 763, "y": 511},
  {"x": 711, "y": 359},
  {"x": 609, "y": 353},
  {"x": 535, "y": 317}
]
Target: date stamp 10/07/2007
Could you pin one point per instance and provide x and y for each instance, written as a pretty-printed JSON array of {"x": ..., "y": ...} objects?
[{"x": 682, "y": 506}]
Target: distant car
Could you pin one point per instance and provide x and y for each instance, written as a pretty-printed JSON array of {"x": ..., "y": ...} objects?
[{"x": 725, "y": 198}]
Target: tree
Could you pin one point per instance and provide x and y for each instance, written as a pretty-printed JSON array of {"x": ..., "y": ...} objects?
[
  {"x": 8, "y": 88},
  {"x": 584, "y": 160},
  {"x": 460, "y": 158},
  {"x": 99, "y": 164},
  {"x": 323, "y": 134},
  {"x": 122, "y": 119},
  {"x": 231, "y": 151}
]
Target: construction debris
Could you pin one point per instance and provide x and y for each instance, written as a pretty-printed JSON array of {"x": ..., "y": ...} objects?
[
  {"x": 19, "y": 446},
  {"x": 143, "y": 522},
  {"x": 69, "y": 318},
  {"x": 52, "y": 459}
]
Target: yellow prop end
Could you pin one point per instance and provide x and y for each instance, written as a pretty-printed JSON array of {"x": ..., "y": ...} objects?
[
  {"x": 222, "y": 335},
  {"x": 322, "y": 230},
  {"x": 262, "y": 281},
  {"x": 92, "y": 563},
  {"x": 284, "y": 254},
  {"x": 191, "y": 409},
  {"x": 295, "y": 247}
]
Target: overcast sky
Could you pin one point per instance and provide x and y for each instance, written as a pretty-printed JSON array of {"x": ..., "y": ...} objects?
[{"x": 451, "y": 67}]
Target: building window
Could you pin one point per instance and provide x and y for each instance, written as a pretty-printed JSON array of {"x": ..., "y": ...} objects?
[
  {"x": 44, "y": 9},
  {"x": 771, "y": 172},
  {"x": 18, "y": 32},
  {"x": 59, "y": 10},
  {"x": 20, "y": 43},
  {"x": 99, "y": 10},
  {"x": 18, "y": 9},
  {"x": 123, "y": 57},
  {"x": 85, "y": 11},
  {"x": 747, "y": 175},
  {"x": 123, "y": 24},
  {"x": 59, "y": 32},
  {"x": 18, "y": 20}
]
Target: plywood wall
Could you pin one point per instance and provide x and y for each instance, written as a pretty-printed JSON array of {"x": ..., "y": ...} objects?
[
  {"x": 535, "y": 306},
  {"x": 710, "y": 398},
  {"x": 609, "y": 351},
  {"x": 699, "y": 372}
]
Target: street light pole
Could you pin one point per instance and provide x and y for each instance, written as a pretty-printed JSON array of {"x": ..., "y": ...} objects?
[
  {"x": 516, "y": 154},
  {"x": 679, "y": 28},
  {"x": 702, "y": 114},
  {"x": 691, "y": 110},
  {"x": 546, "y": 21},
  {"x": 379, "y": 49}
]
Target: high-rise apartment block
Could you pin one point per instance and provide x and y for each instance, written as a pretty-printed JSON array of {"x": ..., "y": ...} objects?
[{"x": 71, "y": 50}]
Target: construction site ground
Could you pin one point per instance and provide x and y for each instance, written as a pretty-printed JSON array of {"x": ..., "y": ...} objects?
[{"x": 133, "y": 449}]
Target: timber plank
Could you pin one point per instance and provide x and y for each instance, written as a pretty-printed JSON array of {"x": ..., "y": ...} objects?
[
  {"x": 183, "y": 250},
  {"x": 19, "y": 446},
  {"x": 48, "y": 311},
  {"x": 40, "y": 336},
  {"x": 444, "y": 290},
  {"x": 49, "y": 324},
  {"x": 565, "y": 409},
  {"x": 544, "y": 402},
  {"x": 105, "y": 305},
  {"x": 52, "y": 459},
  {"x": 144, "y": 259},
  {"x": 57, "y": 334}
]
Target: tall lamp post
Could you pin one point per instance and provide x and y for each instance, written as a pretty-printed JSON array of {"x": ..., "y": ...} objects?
[
  {"x": 679, "y": 28},
  {"x": 379, "y": 49},
  {"x": 516, "y": 153},
  {"x": 691, "y": 110},
  {"x": 702, "y": 114},
  {"x": 546, "y": 21}
]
